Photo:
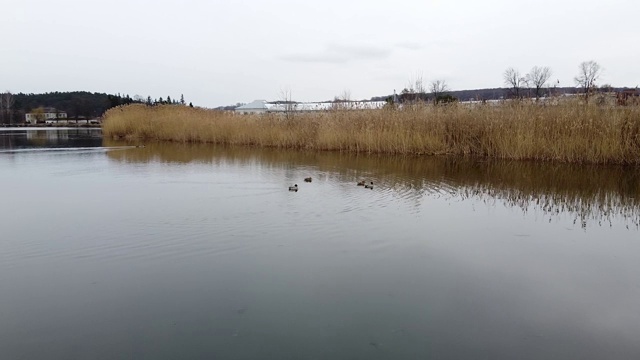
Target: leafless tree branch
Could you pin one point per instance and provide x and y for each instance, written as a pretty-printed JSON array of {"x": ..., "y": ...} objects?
[
  {"x": 538, "y": 77},
  {"x": 438, "y": 88},
  {"x": 514, "y": 81}
]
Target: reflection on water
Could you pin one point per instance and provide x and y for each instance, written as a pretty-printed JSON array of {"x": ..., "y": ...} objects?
[
  {"x": 201, "y": 252},
  {"x": 589, "y": 194},
  {"x": 29, "y": 138}
]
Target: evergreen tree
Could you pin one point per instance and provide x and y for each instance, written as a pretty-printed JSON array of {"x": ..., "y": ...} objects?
[{"x": 182, "y": 99}]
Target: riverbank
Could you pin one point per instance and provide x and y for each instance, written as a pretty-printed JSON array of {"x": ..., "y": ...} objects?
[
  {"x": 566, "y": 132},
  {"x": 58, "y": 125}
]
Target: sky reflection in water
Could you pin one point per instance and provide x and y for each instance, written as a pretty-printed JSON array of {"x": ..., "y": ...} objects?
[{"x": 200, "y": 251}]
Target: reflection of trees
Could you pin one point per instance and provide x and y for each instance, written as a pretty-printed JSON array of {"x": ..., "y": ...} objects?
[
  {"x": 51, "y": 137},
  {"x": 588, "y": 193}
]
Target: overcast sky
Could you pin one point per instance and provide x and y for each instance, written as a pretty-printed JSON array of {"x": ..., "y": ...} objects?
[{"x": 224, "y": 52}]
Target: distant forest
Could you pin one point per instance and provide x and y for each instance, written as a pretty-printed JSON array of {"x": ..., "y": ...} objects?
[
  {"x": 489, "y": 94},
  {"x": 459, "y": 95},
  {"x": 77, "y": 104}
]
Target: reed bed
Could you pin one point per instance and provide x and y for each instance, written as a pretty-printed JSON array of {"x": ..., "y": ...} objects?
[{"x": 568, "y": 131}]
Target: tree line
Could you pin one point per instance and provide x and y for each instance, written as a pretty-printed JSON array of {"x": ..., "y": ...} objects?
[
  {"x": 77, "y": 104},
  {"x": 537, "y": 79},
  {"x": 436, "y": 91},
  {"x": 534, "y": 84}
]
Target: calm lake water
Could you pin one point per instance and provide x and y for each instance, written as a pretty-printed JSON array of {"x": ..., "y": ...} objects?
[{"x": 108, "y": 251}]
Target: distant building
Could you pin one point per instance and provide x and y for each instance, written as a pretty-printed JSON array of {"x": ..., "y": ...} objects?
[
  {"x": 261, "y": 106},
  {"x": 254, "y": 107},
  {"x": 46, "y": 114}
]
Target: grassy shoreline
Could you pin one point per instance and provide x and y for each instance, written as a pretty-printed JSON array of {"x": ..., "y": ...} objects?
[{"x": 567, "y": 132}]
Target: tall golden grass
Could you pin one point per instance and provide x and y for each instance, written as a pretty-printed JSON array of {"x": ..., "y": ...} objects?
[{"x": 569, "y": 131}]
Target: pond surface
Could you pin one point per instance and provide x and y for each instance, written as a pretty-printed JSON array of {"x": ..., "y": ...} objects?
[{"x": 109, "y": 251}]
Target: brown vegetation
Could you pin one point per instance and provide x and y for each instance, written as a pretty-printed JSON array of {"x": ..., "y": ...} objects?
[{"x": 569, "y": 131}]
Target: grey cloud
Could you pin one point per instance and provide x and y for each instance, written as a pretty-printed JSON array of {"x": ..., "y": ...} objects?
[
  {"x": 334, "y": 53},
  {"x": 315, "y": 58},
  {"x": 410, "y": 45}
]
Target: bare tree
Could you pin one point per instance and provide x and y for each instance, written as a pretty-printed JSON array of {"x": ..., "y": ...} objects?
[
  {"x": 346, "y": 95},
  {"x": 514, "y": 81},
  {"x": 606, "y": 88},
  {"x": 287, "y": 102},
  {"x": 419, "y": 85},
  {"x": 438, "y": 88},
  {"x": 342, "y": 101},
  {"x": 6, "y": 103},
  {"x": 39, "y": 114},
  {"x": 415, "y": 89},
  {"x": 538, "y": 77},
  {"x": 589, "y": 72},
  {"x": 416, "y": 84}
]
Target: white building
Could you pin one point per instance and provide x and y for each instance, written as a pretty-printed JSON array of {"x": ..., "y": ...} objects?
[
  {"x": 47, "y": 115},
  {"x": 254, "y": 107},
  {"x": 261, "y": 106}
]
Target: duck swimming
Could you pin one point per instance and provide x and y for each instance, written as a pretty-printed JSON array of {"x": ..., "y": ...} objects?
[
  {"x": 369, "y": 186},
  {"x": 293, "y": 188},
  {"x": 361, "y": 183},
  {"x": 307, "y": 179}
]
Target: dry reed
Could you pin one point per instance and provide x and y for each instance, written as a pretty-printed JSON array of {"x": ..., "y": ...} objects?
[{"x": 570, "y": 131}]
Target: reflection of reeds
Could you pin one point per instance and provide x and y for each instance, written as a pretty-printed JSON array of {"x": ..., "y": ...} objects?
[
  {"x": 585, "y": 192},
  {"x": 565, "y": 132}
]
